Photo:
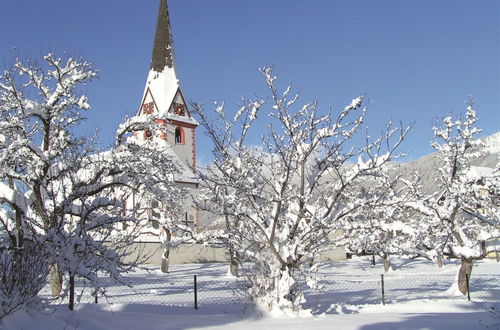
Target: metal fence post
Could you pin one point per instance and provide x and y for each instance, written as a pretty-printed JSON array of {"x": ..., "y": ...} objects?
[
  {"x": 71, "y": 305},
  {"x": 195, "y": 293},
  {"x": 383, "y": 290},
  {"x": 467, "y": 279}
]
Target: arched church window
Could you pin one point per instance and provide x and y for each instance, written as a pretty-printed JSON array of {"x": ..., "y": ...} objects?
[
  {"x": 148, "y": 134},
  {"x": 179, "y": 135}
]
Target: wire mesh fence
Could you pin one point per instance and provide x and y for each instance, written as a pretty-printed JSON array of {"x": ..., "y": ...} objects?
[
  {"x": 210, "y": 289},
  {"x": 218, "y": 294},
  {"x": 391, "y": 289},
  {"x": 403, "y": 288}
]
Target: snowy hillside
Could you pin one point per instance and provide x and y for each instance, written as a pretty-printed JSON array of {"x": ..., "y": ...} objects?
[
  {"x": 427, "y": 165},
  {"x": 492, "y": 143}
]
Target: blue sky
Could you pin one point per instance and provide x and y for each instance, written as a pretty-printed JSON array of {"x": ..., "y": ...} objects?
[{"x": 414, "y": 60}]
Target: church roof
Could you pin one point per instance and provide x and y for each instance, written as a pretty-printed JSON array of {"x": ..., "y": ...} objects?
[
  {"x": 162, "y": 49},
  {"x": 162, "y": 87}
]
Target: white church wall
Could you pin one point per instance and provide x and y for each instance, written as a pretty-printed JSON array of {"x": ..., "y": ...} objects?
[{"x": 183, "y": 151}]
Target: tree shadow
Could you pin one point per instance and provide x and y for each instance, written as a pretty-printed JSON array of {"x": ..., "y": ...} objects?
[
  {"x": 435, "y": 321},
  {"x": 147, "y": 316}
]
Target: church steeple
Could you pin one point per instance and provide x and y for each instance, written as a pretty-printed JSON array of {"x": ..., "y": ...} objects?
[
  {"x": 163, "y": 97},
  {"x": 164, "y": 104},
  {"x": 162, "y": 50},
  {"x": 162, "y": 93}
]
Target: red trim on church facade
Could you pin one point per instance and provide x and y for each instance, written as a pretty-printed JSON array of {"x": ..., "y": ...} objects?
[
  {"x": 193, "y": 145},
  {"x": 181, "y": 123}
]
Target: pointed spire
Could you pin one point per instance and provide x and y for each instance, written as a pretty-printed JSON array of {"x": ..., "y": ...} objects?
[{"x": 162, "y": 49}]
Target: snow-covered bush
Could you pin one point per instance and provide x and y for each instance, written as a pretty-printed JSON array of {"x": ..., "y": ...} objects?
[{"x": 284, "y": 199}]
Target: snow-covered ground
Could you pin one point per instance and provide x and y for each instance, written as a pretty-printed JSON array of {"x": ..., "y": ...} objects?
[{"x": 415, "y": 292}]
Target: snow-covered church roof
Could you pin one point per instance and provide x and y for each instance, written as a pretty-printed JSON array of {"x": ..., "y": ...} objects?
[{"x": 162, "y": 93}]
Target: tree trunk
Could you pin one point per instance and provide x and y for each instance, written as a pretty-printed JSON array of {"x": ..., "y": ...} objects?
[
  {"x": 55, "y": 280},
  {"x": 387, "y": 263},
  {"x": 165, "y": 262},
  {"x": 465, "y": 270},
  {"x": 373, "y": 259},
  {"x": 440, "y": 261},
  {"x": 234, "y": 264},
  {"x": 18, "y": 239}
]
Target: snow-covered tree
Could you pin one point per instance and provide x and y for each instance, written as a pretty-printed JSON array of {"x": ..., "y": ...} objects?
[
  {"x": 57, "y": 190},
  {"x": 463, "y": 212},
  {"x": 388, "y": 226},
  {"x": 284, "y": 199},
  {"x": 161, "y": 198},
  {"x": 382, "y": 229}
]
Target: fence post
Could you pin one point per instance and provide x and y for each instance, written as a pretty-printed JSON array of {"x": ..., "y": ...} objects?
[
  {"x": 467, "y": 279},
  {"x": 96, "y": 292},
  {"x": 71, "y": 292},
  {"x": 195, "y": 293},
  {"x": 383, "y": 290}
]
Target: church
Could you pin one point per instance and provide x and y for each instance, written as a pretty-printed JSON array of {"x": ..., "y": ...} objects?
[{"x": 163, "y": 96}]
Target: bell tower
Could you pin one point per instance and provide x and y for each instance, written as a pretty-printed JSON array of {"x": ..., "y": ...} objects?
[{"x": 163, "y": 95}]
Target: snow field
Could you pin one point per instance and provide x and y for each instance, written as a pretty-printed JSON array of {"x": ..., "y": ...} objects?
[
  {"x": 354, "y": 282},
  {"x": 349, "y": 299}
]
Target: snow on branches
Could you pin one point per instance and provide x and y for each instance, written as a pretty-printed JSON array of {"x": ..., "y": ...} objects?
[
  {"x": 56, "y": 189},
  {"x": 284, "y": 200},
  {"x": 462, "y": 213},
  {"x": 464, "y": 208},
  {"x": 455, "y": 214}
]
